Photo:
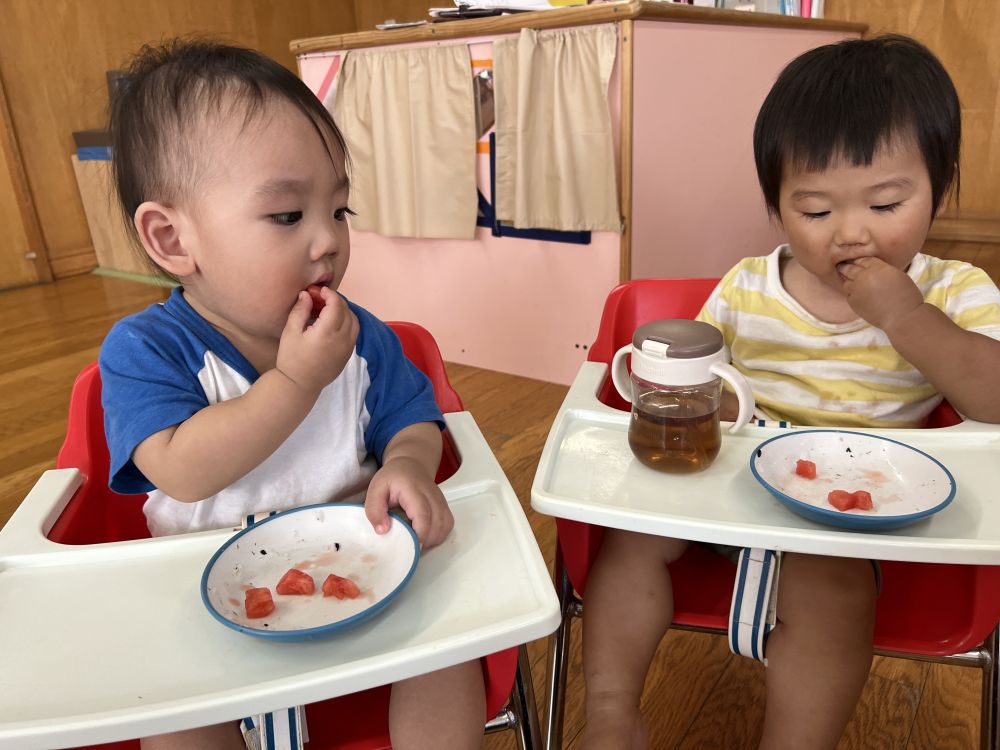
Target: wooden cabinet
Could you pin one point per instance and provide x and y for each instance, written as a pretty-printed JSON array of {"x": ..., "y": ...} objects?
[
  {"x": 683, "y": 97},
  {"x": 113, "y": 247}
]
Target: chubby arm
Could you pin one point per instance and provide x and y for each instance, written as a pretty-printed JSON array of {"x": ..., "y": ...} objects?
[
  {"x": 223, "y": 442},
  {"x": 406, "y": 480},
  {"x": 963, "y": 366}
]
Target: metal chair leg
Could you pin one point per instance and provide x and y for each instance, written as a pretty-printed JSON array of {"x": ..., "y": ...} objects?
[
  {"x": 523, "y": 705},
  {"x": 558, "y": 658},
  {"x": 988, "y": 730}
]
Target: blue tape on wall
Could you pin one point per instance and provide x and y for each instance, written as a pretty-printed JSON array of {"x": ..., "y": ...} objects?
[
  {"x": 487, "y": 216},
  {"x": 94, "y": 153}
]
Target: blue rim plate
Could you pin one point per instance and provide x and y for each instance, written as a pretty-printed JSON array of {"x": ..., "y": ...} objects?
[
  {"x": 906, "y": 484},
  {"x": 319, "y": 540}
]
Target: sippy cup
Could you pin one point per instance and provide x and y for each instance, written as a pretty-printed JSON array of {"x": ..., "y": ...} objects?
[{"x": 675, "y": 387}]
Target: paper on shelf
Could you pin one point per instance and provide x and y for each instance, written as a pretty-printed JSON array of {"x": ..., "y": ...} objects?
[{"x": 513, "y": 4}]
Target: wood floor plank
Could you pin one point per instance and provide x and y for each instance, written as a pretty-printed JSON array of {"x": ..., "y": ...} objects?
[
  {"x": 733, "y": 715},
  {"x": 573, "y": 720},
  {"x": 908, "y": 672},
  {"x": 948, "y": 715},
  {"x": 50, "y": 332},
  {"x": 884, "y": 716},
  {"x": 685, "y": 673}
]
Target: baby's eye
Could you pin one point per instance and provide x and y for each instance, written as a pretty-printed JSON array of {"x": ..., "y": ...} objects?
[
  {"x": 887, "y": 208},
  {"x": 286, "y": 219},
  {"x": 815, "y": 214},
  {"x": 342, "y": 213}
]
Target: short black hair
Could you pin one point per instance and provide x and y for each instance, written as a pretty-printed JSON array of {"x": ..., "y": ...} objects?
[
  {"x": 169, "y": 90},
  {"x": 849, "y": 99}
]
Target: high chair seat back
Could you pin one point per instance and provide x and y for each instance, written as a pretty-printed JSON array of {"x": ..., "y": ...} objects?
[
  {"x": 359, "y": 721},
  {"x": 966, "y": 598}
]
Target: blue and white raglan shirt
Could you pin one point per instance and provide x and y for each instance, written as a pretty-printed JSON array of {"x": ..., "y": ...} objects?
[{"x": 161, "y": 366}]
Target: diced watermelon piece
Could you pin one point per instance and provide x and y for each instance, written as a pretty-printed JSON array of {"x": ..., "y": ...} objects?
[
  {"x": 317, "y": 300},
  {"x": 844, "y": 500},
  {"x": 841, "y": 499},
  {"x": 805, "y": 468},
  {"x": 342, "y": 588},
  {"x": 296, "y": 583},
  {"x": 258, "y": 603},
  {"x": 863, "y": 500}
]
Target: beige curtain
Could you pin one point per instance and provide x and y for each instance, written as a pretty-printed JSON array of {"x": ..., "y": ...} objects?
[
  {"x": 409, "y": 119},
  {"x": 555, "y": 166}
]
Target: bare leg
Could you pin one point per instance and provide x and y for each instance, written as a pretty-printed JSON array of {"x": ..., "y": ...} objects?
[
  {"x": 820, "y": 654},
  {"x": 441, "y": 709},
  {"x": 628, "y": 606},
  {"x": 218, "y": 737}
]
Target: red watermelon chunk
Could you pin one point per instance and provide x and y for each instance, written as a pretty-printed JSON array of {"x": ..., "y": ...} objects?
[
  {"x": 806, "y": 469},
  {"x": 296, "y": 583},
  {"x": 318, "y": 302},
  {"x": 258, "y": 603},
  {"x": 342, "y": 588},
  {"x": 863, "y": 500},
  {"x": 843, "y": 500}
]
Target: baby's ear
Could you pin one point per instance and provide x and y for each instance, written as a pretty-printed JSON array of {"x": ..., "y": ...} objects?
[{"x": 157, "y": 226}]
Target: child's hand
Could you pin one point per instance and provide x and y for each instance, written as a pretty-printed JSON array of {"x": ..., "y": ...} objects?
[
  {"x": 881, "y": 294},
  {"x": 403, "y": 483},
  {"x": 729, "y": 406},
  {"x": 314, "y": 355}
]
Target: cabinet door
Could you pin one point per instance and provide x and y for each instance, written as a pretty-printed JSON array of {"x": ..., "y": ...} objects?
[{"x": 23, "y": 258}]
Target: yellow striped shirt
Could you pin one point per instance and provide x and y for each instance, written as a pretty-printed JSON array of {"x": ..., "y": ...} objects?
[{"x": 809, "y": 372}]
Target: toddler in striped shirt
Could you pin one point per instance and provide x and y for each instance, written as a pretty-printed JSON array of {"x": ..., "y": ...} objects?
[{"x": 857, "y": 148}]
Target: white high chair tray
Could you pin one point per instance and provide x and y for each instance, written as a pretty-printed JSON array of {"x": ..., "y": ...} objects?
[
  {"x": 112, "y": 641},
  {"x": 588, "y": 473}
]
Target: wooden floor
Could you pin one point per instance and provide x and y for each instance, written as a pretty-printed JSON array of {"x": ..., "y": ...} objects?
[{"x": 698, "y": 695}]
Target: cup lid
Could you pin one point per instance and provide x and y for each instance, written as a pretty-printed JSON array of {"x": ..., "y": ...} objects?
[{"x": 678, "y": 339}]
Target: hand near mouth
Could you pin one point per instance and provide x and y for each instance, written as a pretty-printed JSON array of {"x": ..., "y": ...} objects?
[
  {"x": 879, "y": 293},
  {"x": 844, "y": 264},
  {"x": 313, "y": 350}
]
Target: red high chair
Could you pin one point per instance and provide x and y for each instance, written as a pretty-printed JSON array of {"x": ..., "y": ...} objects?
[
  {"x": 352, "y": 722},
  {"x": 961, "y": 627}
]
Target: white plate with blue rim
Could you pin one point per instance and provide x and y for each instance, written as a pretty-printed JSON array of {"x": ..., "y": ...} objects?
[
  {"x": 906, "y": 484},
  {"x": 319, "y": 540}
]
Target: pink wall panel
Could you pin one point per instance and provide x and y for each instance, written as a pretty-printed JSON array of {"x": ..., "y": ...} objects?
[
  {"x": 314, "y": 69},
  {"x": 697, "y": 207}
]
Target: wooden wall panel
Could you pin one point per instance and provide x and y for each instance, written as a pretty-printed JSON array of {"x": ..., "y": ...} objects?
[
  {"x": 53, "y": 58},
  {"x": 278, "y": 22},
  {"x": 964, "y": 34}
]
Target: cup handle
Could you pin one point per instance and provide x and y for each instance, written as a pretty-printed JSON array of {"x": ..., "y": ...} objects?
[
  {"x": 619, "y": 373},
  {"x": 739, "y": 383}
]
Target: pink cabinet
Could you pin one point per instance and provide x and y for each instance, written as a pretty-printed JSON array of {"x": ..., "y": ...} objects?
[{"x": 683, "y": 96}]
